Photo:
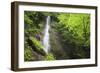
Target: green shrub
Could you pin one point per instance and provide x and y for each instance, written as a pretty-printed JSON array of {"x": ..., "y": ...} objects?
[{"x": 28, "y": 56}]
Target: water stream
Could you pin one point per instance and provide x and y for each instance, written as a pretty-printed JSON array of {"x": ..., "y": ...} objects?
[{"x": 46, "y": 41}]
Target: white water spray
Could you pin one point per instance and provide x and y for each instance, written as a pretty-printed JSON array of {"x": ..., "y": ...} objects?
[{"x": 46, "y": 35}]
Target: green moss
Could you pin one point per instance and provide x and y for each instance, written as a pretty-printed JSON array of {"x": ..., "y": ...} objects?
[
  {"x": 38, "y": 45},
  {"x": 49, "y": 57}
]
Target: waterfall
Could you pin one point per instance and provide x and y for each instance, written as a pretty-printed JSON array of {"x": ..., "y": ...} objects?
[{"x": 46, "y": 43}]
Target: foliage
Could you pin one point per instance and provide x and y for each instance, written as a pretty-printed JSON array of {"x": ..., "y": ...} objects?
[
  {"x": 36, "y": 43},
  {"x": 49, "y": 57},
  {"x": 73, "y": 30},
  {"x": 28, "y": 53},
  {"x": 32, "y": 26}
]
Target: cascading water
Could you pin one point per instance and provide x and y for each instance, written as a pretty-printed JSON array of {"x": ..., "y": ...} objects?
[{"x": 46, "y": 43}]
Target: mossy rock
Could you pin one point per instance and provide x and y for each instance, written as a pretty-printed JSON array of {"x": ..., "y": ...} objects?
[
  {"x": 49, "y": 57},
  {"x": 36, "y": 46}
]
